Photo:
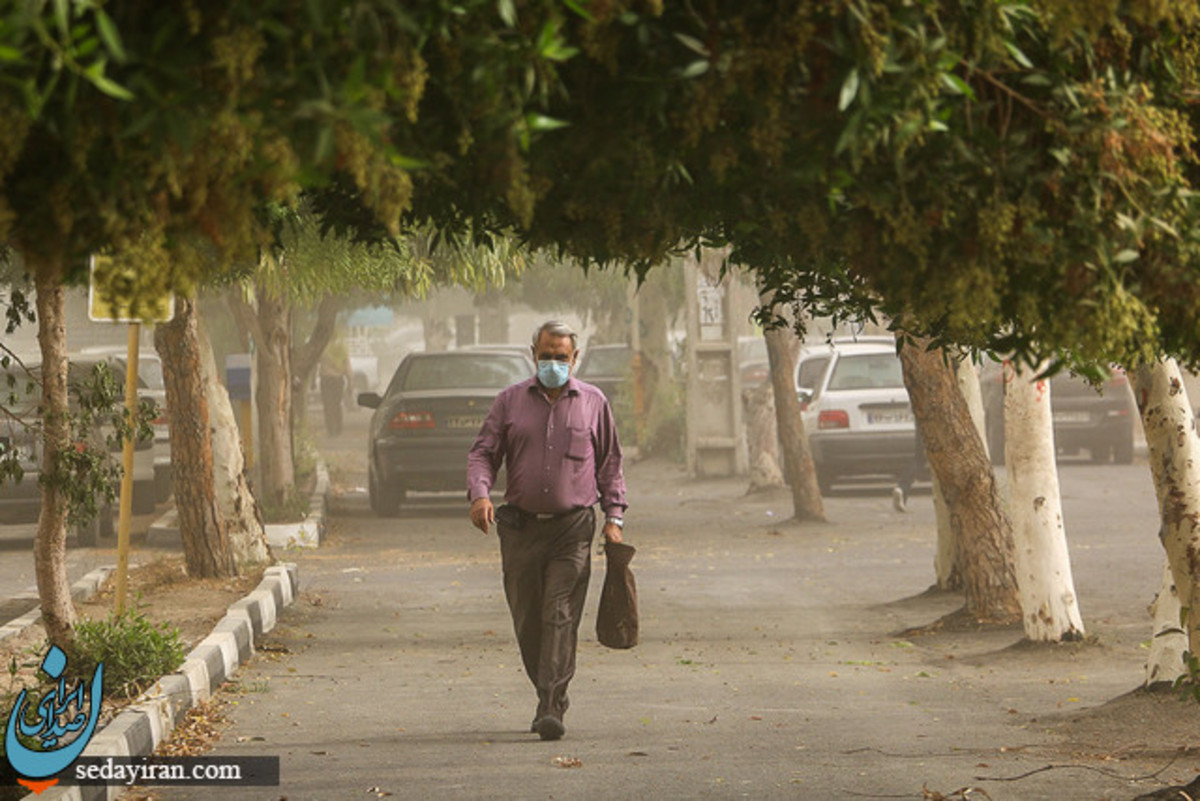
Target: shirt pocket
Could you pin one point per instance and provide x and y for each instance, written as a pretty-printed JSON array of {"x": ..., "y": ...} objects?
[{"x": 579, "y": 443}]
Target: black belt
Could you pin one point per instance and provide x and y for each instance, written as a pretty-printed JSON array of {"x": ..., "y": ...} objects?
[{"x": 522, "y": 516}]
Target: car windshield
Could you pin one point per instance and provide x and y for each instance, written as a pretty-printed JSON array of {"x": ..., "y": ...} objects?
[
  {"x": 485, "y": 371},
  {"x": 811, "y": 372},
  {"x": 867, "y": 371},
  {"x": 605, "y": 361}
]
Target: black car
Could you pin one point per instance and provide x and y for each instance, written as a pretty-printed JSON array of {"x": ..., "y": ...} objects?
[
  {"x": 1098, "y": 420},
  {"x": 427, "y": 420}
]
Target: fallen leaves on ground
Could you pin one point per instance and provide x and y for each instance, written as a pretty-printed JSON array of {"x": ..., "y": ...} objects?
[
  {"x": 197, "y": 732},
  {"x": 567, "y": 762}
]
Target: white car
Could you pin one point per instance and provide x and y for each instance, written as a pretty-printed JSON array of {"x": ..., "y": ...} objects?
[
  {"x": 151, "y": 462},
  {"x": 856, "y": 411}
]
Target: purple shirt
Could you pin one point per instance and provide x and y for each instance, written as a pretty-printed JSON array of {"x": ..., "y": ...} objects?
[{"x": 560, "y": 455}]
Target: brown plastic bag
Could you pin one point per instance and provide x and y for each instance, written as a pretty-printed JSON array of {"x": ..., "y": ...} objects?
[{"x": 617, "y": 618}]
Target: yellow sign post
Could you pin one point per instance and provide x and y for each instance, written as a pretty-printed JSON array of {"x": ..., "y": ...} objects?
[{"x": 104, "y": 305}]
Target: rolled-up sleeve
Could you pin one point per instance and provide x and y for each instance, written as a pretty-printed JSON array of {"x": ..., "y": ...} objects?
[
  {"x": 610, "y": 477},
  {"x": 487, "y": 454}
]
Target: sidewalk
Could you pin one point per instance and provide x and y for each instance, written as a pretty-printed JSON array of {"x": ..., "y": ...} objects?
[{"x": 770, "y": 664}]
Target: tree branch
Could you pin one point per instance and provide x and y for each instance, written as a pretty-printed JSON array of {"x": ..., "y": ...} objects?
[
  {"x": 244, "y": 315},
  {"x": 305, "y": 357}
]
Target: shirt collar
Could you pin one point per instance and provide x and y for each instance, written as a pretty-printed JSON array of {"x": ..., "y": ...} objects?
[{"x": 569, "y": 388}]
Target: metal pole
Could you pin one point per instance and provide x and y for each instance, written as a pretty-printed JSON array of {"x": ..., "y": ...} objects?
[{"x": 131, "y": 407}]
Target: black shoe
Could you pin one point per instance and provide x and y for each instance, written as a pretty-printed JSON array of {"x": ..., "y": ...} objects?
[{"x": 550, "y": 728}]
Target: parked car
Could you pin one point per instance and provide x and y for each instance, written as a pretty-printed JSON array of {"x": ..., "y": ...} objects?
[
  {"x": 1099, "y": 420},
  {"x": 21, "y": 499},
  {"x": 152, "y": 457},
  {"x": 20, "y": 446},
  {"x": 607, "y": 367},
  {"x": 856, "y": 411},
  {"x": 753, "y": 364},
  {"x": 152, "y": 387},
  {"x": 425, "y": 423}
]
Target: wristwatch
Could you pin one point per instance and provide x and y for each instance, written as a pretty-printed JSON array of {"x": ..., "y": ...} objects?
[{"x": 616, "y": 521}]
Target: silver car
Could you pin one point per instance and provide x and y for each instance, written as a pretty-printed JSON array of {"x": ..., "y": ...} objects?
[{"x": 856, "y": 410}]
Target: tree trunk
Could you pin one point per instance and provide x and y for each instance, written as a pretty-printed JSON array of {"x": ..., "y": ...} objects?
[
  {"x": 946, "y": 563},
  {"x": 653, "y": 318},
  {"x": 307, "y": 355},
  {"x": 273, "y": 398},
  {"x": 1169, "y": 643},
  {"x": 237, "y": 505},
  {"x": 1049, "y": 605},
  {"x": 761, "y": 438},
  {"x": 801, "y": 473},
  {"x": 206, "y": 548},
  {"x": 492, "y": 309},
  {"x": 1174, "y": 451},
  {"x": 960, "y": 464},
  {"x": 437, "y": 331},
  {"x": 50, "y": 547}
]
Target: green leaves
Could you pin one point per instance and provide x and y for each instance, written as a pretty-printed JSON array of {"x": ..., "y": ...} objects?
[
  {"x": 550, "y": 44},
  {"x": 849, "y": 90},
  {"x": 110, "y": 35}
]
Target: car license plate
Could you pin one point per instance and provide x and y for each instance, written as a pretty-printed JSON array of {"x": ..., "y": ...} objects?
[
  {"x": 1072, "y": 417},
  {"x": 893, "y": 417},
  {"x": 464, "y": 421}
]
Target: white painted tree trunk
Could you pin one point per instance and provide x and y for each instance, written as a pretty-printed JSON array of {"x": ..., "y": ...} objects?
[
  {"x": 1049, "y": 605},
  {"x": 1174, "y": 451},
  {"x": 758, "y": 404},
  {"x": 235, "y": 502},
  {"x": 1167, "y": 647},
  {"x": 945, "y": 563}
]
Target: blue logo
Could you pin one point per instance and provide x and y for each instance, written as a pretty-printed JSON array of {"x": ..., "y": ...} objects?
[{"x": 59, "y": 713}]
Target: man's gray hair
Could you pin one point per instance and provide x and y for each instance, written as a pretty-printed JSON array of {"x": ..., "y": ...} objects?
[{"x": 556, "y": 328}]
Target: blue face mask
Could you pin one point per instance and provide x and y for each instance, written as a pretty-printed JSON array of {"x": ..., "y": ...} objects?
[{"x": 552, "y": 373}]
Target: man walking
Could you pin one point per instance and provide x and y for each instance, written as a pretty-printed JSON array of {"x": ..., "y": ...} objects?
[{"x": 557, "y": 436}]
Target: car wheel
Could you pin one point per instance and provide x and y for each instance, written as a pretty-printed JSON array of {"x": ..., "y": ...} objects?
[
  {"x": 163, "y": 485},
  {"x": 384, "y": 502},
  {"x": 1123, "y": 450},
  {"x": 1100, "y": 452},
  {"x": 89, "y": 535},
  {"x": 144, "y": 497},
  {"x": 108, "y": 529}
]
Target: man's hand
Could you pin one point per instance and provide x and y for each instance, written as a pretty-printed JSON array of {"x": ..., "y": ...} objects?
[
  {"x": 482, "y": 514},
  {"x": 612, "y": 532}
]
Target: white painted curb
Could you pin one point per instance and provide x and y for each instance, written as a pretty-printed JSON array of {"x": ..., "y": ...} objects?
[{"x": 139, "y": 728}]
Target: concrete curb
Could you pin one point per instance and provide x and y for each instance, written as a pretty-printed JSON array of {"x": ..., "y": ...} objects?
[
  {"x": 81, "y": 590},
  {"x": 308, "y": 532},
  {"x": 140, "y": 727}
]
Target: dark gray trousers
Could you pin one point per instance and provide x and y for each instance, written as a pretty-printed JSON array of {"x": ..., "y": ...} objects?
[{"x": 547, "y": 564}]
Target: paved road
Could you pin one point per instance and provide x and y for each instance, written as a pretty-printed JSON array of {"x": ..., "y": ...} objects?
[
  {"x": 18, "y": 584},
  {"x": 770, "y": 665}
]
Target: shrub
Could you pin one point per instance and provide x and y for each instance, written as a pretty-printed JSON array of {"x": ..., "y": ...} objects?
[{"x": 135, "y": 651}]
